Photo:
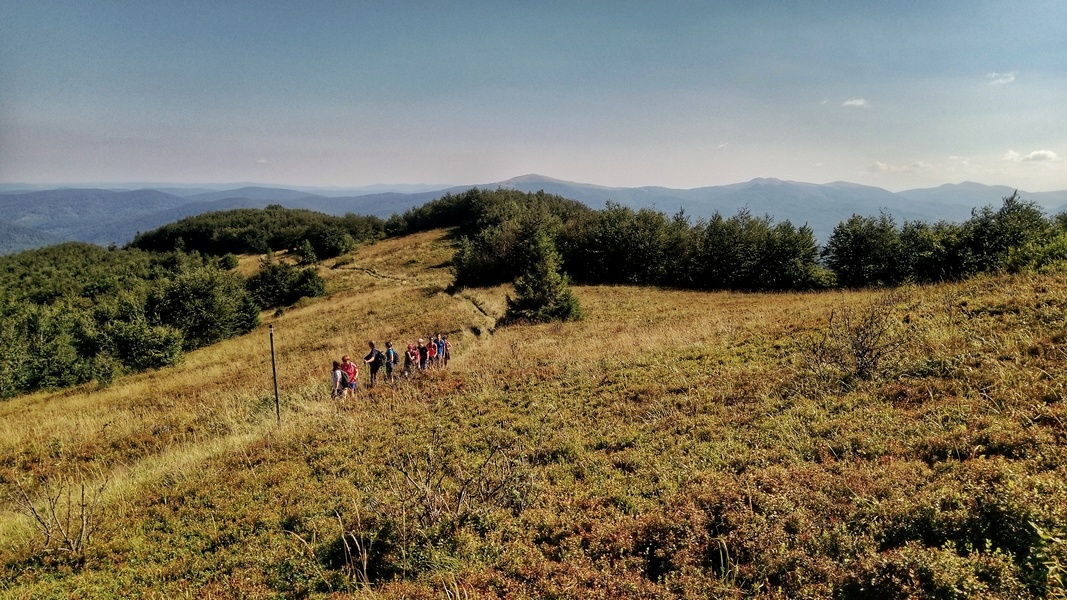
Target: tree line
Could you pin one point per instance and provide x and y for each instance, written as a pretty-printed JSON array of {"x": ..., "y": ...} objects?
[
  {"x": 868, "y": 251},
  {"x": 744, "y": 252},
  {"x": 259, "y": 231},
  {"x": 74, "y": 312}
]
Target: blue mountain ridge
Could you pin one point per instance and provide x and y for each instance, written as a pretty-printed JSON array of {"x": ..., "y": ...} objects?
[{"x": 103, "y": 217}]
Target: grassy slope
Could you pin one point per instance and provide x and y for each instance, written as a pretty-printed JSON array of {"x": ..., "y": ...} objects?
[{"x": 673, "y": 443}]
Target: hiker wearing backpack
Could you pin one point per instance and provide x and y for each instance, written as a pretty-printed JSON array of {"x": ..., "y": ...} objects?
[
  {"x": 391, "y": 359},
  {"x": 424, "y": 354},
  {"x": 340, "y": 381},
  {"x": 352, "y": 371},
  {"x": 375, "y": 359}
]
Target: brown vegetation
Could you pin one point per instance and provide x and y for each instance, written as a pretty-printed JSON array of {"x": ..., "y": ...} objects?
[{"x": 672, "y": 444}]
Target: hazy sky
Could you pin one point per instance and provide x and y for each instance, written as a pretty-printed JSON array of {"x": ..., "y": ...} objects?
[{"x": 677, "y": 94}]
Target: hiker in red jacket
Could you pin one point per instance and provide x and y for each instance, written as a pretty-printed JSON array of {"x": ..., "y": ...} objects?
[{"x": 352, "y": 371}]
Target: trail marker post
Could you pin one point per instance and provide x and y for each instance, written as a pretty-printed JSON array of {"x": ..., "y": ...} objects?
[{"x": 274, "y": 368}]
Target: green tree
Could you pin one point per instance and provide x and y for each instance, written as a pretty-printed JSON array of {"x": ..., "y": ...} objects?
[
  {"x": 541, "y": 292},
  {"x": 306, "y": 253},
  {"x": 206, "y": 304},
  {"x": 865, "y": 251},
  {"x": 991, "y": 235},
  {"x": 935, "y": 252},
  {"x": 228, "y": 262},
  {"x": 140, "y": 345},
  {"x": 281, "y": 284},
  {"x": 330, "y": 241}
]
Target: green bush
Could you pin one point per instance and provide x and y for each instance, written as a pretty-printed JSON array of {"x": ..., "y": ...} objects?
[
  {"x": 228, "y": 261},
  {"x": 281, "y": 284},
  {"x": 141, "y": 346},
  {"x": 541, "y": 292},
  {"x": 206, "y": 305}
]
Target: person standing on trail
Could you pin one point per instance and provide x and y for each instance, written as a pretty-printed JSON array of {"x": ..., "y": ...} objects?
[
  {"x": 375, "y": 360},
  {"x": 439, "y": 341},
  {"x": 424, "y": 354},
  {"x": 391, "y": 358},
  {"x": 447, "y": 345},
  {"x": 431, "y": 354},
  {"x": 411, "y": 358},
  {"x": 339, "y": 390},
  {"x": 352, "y": 371}
]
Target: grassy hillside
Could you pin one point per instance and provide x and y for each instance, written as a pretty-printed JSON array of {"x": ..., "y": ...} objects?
[{"x": 672, "y": 444}]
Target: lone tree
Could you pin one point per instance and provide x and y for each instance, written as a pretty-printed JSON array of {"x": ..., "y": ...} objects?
[{"x": 541, "y": 292}]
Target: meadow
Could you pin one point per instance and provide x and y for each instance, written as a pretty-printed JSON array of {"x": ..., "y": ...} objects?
[{"x": 891, "y": 444}]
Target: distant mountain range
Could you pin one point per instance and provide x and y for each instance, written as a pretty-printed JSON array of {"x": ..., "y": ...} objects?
[{"x": 30, "y": 219}]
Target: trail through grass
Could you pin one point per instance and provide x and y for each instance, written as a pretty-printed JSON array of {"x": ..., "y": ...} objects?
[{"x": 672, "y": 444}]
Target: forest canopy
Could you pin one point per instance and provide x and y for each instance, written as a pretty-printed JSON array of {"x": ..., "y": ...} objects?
[
  {"x": 744, "y": 252},
  {"x": 258, "y": 231},
  {"x": 74, "y": 313}
]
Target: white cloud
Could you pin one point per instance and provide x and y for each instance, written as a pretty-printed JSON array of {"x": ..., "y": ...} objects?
[
  {"x": 1041, "y": 155},
  {"x": 856, "y": 103},
  {"x": 913, "y": 167},
  {"x": 1000, "y": 78},
  {"x": 722, "y": 145},
  {"x": 1035, "y": 156}
]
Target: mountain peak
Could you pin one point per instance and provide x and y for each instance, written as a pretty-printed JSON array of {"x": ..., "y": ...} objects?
[{"x": 531, "y": 178}]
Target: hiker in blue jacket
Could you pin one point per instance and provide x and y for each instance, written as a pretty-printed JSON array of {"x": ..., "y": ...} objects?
[{"x": 391, "y": 359}]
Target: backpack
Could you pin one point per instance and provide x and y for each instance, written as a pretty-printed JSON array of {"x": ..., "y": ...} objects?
[
  {"x": 344, "y": 379},
  {"x": 391, "y": 357}
]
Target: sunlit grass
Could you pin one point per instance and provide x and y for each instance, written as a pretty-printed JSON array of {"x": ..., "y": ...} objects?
[{"x": 673, "y": 443}]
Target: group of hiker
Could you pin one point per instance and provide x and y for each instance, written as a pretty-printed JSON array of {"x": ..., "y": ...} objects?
[{"x": 418, "y": 357}]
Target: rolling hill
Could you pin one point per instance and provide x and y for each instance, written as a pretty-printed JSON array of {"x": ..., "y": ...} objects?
[
  {"x": 672, "y": 444},
  {"x": 16, "y": 238}
]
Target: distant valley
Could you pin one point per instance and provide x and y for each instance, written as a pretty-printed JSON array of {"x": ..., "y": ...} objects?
[{"x": 35, "y": 218}]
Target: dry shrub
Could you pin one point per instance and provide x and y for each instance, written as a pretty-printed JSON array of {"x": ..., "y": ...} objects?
[
  {"x": 857, "y": 344},
  {"x": 66, "y": 517}
]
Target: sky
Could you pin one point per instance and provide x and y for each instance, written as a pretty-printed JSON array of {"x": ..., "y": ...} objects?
[{"x": 896, "y": 94}]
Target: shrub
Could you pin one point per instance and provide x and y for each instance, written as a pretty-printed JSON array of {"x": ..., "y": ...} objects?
[
  {"x": 206, "y": 305},
  {"x": 66, "y": 518},
  {"x": 541, "y": 292},
  {"x": 917, "y": 571},
  {"x": 140, "y": 345},
  {"x": 280, "y": 284},
  {"x": 856, "y": 344},
  {"x": 306, "y": 253},
  {"x": 228, "y": 262}
]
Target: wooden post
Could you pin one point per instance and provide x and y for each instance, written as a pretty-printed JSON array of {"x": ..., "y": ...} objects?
[{"x": 274, "y": 368}]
